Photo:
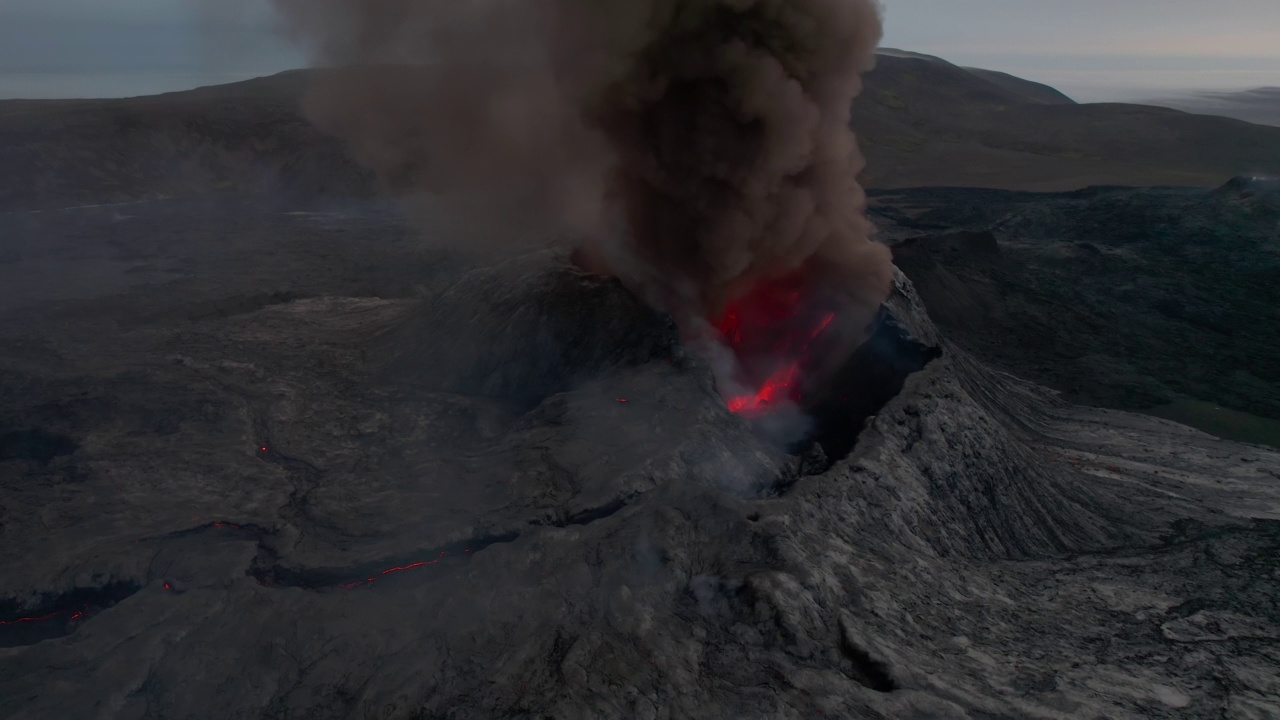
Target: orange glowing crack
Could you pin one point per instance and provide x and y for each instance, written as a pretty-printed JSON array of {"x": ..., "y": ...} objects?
[{"x": 781, "y": 385}]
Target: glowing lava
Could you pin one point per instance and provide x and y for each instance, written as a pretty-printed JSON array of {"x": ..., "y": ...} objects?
[
  {"x": 74, "y": 615},
  {"x": 41, "y": 618},
  {"x": 399, "y": 568},
  {"x": 771, "y": 331}
]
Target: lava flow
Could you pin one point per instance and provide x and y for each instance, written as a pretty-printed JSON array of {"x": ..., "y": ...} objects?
[
  {"x": 771, "y": 332},
  {"x": 399, "y": 568}
]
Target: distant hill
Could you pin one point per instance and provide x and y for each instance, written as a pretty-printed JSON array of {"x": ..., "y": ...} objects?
[
  {"x": 1021, "y": 90},
  {"x": 1035, "y": 91},
  {"x": 1259, "y": 105},
  {"x": 922, "y": 122},
  {"x": 247, "y": 136}
]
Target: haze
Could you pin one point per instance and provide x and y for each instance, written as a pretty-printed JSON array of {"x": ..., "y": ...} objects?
[{"x": 1091, "y": 49}]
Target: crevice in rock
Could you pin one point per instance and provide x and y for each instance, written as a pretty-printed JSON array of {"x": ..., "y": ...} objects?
[
  {"x": 239, "y": 305},
  {"x": 270, "y": 573},
  {"x": 35, "y": 444},
  {"x": 303, "y": 476},
  {"x": 868, "y": 671},
  {"x": 590, "y": 515},
  {"x": 217, "y": 526},
  {"x": 58, "y": 614}
]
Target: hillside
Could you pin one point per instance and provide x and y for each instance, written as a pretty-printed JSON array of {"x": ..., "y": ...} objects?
[
  {"x": 925, "y": 122},
  {"x": 922, "y": 122},
  {"x": 1035, "y": 91},
  {"x": 1155, "y": 299},
  {"x": 917, "y": 73},
  {"x": 248, "y": 136}
]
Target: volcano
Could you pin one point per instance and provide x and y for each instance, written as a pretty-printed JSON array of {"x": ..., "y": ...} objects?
[{"x": 455, "y": 515}]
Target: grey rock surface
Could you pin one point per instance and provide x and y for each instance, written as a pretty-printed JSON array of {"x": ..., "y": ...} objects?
[{"x": 276, "y": 512}]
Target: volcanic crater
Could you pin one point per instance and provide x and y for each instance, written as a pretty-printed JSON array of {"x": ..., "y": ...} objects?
[{"x": 509, "y": 491}]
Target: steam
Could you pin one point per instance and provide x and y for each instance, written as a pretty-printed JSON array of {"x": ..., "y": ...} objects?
[{"x": 693, "y": 148}]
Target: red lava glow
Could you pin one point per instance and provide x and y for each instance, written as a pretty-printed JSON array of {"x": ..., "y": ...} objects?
[
  {"x": 40, "y": 618},
  {"x": 623, "y": 401},
  {"x": 390, "y": 570},
  {"x": 771, "y": 331},
  {"x": 78, "y": 614}
]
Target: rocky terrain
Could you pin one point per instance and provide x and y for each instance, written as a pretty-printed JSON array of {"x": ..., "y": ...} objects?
[
  {"x": 271, "y": 458},
  {"x": 1128, "y": 298}
]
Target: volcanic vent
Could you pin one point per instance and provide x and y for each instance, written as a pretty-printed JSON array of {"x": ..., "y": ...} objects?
[{"x": 796, "y": 372}]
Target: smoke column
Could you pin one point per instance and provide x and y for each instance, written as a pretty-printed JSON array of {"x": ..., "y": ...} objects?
[{"x": 696, "y": 149}]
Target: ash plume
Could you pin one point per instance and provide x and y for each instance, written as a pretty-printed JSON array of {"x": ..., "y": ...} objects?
[{"x": 693, "y": 148}]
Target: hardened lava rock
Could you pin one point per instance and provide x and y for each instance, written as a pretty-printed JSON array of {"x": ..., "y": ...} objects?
[{"x": 343, "y": 507}]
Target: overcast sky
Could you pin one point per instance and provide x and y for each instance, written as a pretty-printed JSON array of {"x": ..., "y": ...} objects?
[
  {"x": 1101, "y": 49},
  {"x": 1091, "y": 49}
]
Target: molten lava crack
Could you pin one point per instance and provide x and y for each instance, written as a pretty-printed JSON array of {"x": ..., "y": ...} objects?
[
  {"x": 368, "y": 575},
  {"x": 59, "y": 615}
]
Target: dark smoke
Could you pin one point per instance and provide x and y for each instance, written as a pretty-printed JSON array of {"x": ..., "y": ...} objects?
[{"x": 693, "y": 148}]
